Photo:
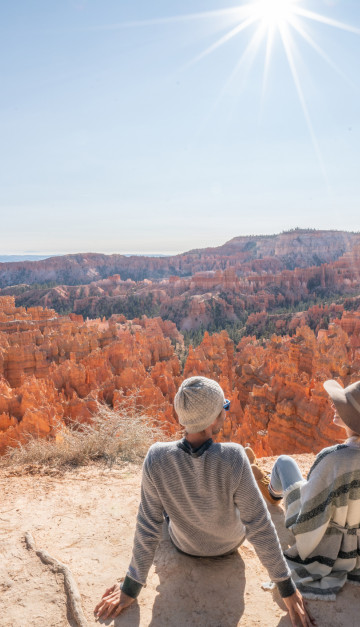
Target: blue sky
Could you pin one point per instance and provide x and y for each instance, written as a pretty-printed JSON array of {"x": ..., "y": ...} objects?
[{"x": 114, "y": 140}]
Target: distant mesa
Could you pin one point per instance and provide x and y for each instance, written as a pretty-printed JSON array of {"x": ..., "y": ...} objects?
[
  {"x": 249, "y": 283},
  {"x": 286, "y": 251}
]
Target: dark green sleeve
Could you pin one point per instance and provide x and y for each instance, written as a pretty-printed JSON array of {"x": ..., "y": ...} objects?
[
  {"x": 131, "y": 587},
  {"x": 286, "y": 588}
]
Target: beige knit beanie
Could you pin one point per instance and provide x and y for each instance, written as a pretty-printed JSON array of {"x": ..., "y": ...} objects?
[{"x": 198, "y": 403}]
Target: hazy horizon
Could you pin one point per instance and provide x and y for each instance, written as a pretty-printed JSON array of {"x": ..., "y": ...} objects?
[{"x": 37, "y": 255}]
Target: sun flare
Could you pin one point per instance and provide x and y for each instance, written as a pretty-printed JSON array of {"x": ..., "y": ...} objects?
[{"x": 268, "y": 20}]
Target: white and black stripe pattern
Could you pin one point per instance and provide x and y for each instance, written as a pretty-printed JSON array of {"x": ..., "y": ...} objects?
[
  {"x": 213, "y": 503},
  {"x": 324, "y": 515}
]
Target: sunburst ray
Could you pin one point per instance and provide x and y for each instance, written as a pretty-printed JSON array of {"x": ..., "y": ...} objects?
[
  {"x": 285, "y": 37},
  {"x": 268, "y": 17},
  {"x": 223, "y": 40},
  {"x": 237, "y": 12},
  {"x": 320, "y": 51},
  {"x": 317, "y": 17},
  {"x": 269, "y": 46}
]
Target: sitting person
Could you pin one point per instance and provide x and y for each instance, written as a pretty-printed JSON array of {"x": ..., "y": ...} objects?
[
  {"x": 323, "y": 512},
  {"x": 208, "y": 496}
]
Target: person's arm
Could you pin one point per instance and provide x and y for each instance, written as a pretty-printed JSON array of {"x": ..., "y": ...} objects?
[
  {"x": 260, "y": 530},
  {"x": 306, "y": 516},
  {"x": 147, "y": 535},
  {"x": 262, "y": 534},
  {"x": 149, "y": 523}
]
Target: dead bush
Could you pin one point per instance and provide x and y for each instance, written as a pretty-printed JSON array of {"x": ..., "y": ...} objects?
[{"x": 111, "y": 437}]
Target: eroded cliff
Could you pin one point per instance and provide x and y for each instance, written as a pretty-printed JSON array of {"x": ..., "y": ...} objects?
[
  {"x": 221, "y": 286},
  {"x": 55, "y": 369}
]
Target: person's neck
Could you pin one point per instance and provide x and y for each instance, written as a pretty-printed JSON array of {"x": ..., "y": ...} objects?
[
  {"x": 197, "y": 439},
  {"x": 350, "y": 433}
]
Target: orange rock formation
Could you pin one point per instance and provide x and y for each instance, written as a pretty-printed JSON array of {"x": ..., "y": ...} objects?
[{"x": 55, "y": 369}]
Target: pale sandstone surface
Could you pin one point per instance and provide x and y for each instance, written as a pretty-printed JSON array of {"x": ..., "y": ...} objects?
[{"x": 86, "y": 518}]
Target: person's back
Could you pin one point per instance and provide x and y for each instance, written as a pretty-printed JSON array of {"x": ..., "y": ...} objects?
[
  {"x": 208, "y": 495},
  {"x": 198, "y": 490}
]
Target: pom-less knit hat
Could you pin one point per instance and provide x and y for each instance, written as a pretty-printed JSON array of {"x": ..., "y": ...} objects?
[
  {"x": 198, "y": 403},
  {"x": 346, "y": 401}
]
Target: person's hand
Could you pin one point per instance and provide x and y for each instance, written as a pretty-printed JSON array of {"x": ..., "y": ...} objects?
[
  {"x": 113, "y": 602},
  {"x": 296, "y": 607}
]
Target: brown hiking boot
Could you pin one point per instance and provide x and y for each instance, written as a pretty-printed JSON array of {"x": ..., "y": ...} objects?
[
  {"x": 263, "y": 480},
  {"x": 250, "y": 455}
]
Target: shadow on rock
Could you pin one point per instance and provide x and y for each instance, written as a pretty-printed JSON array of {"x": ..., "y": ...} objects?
[
  {"x": 197, "y": 591},
  {"x": 129, "y": 617}
]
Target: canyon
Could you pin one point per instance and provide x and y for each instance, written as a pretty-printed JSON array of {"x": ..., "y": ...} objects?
[
  {"x": 269, "y": 317},
  {"x": 55, "y": 370},
  {"x": 249, "y": 284}
]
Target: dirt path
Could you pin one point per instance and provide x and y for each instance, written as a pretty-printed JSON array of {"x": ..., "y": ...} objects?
[{"x": 86, "y": 519}]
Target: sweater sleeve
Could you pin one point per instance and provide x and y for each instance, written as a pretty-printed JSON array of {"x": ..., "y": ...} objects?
[
  {"x": 260, "y": 529},
  {"x": 148, "y": 528}
]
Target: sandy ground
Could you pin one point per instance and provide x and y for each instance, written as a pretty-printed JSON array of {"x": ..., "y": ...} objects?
[{"x": 86, "y": 519}]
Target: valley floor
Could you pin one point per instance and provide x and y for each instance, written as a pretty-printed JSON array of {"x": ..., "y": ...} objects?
[{"x": 85, "y": 518}]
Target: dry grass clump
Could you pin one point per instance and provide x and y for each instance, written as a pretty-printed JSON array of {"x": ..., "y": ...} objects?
[{"x": 111, "y": 437}]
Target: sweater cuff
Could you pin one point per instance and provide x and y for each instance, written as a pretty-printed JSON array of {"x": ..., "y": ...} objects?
[
  {"x": 286, "y": 588},
  {"x": 131, "y": 587}
]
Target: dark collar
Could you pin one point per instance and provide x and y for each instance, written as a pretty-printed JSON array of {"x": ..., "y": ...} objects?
[{"x": 194, "y": 452}]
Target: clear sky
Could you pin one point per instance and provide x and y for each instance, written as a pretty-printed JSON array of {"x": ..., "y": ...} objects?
[{"x": 119, "y": 135}]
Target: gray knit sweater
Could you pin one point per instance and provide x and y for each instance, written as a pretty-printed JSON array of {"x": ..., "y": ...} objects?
[{"x": 213, "y": 503}]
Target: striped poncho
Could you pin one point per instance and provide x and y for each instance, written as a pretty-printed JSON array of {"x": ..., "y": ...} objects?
[{"x": 323, "y": 513}]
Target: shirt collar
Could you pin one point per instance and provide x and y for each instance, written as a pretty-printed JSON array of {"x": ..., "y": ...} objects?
[{"x": 194, "y": 452}]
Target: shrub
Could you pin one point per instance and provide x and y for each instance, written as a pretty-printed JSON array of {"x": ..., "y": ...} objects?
[{"x": 111, "y": 437}]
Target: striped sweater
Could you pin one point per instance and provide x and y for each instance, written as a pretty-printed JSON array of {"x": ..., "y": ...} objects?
[
  {"x": 213, "y": 503},
  {"x": 324, "y": 515}
]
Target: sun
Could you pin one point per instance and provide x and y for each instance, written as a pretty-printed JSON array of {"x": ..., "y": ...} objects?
[{"x": 273, "y": 13}]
